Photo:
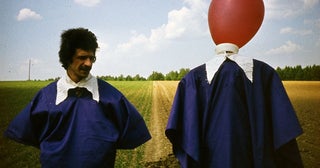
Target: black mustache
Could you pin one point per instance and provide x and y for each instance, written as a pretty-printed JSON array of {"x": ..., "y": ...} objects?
[{"x": 85, "y": 68}]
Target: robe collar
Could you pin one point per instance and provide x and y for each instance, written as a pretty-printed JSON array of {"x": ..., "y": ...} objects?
[
  {"x": 246, "y": 63},
  {"x": 65, "y": 83}
]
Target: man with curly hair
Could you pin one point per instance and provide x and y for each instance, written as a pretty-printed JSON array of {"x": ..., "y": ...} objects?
[{"x": 79, "y": 120}]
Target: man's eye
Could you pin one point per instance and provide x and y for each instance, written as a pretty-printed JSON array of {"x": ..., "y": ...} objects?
[{"x": 83, "y": 58}]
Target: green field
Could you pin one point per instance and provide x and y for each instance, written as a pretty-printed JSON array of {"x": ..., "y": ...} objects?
[
  {"x": 305, "y": 97},
  {"x": 16, "y": 95}
]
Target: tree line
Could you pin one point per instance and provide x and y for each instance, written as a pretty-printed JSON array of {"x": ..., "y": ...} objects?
[
  {"x": 310, "y": 73},
  {"x": 154, "y": 76}
]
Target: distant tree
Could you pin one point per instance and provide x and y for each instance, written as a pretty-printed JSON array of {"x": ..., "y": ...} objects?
[
  {"x": 52, "y": 79},
  {"x": 107, "y": 78},
  {"x": 183, "y": 73},
  {"x": 315, "y": 72},
  {"x": 128, "y": 78},
  {"x": 299, "y": 73},
  {"x": 156, "y": 76},
  {"x": 138, "y": 78},
  {"x": 172, "y": 75},
  {"x": 121, "y": 78}
]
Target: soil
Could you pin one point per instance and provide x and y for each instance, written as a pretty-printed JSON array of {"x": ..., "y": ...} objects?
[{"x": 158, "y": 151}]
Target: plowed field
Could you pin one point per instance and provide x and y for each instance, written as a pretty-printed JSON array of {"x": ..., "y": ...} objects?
[{"x": 153, "y": 100}]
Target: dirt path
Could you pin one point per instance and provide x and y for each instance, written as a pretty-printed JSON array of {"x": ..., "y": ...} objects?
[{"x": 159, "y": 146}]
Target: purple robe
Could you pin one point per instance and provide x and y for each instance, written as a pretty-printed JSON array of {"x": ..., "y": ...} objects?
[
  {"x": 233, "y": 122},
  {"x": 79, "y": 132}
]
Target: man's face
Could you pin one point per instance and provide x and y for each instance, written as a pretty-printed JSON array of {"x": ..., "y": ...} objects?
[{"x": 81, "y": 65}]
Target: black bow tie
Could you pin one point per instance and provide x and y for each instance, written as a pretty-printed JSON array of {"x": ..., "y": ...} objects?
[{"x": 79, "y": 92}]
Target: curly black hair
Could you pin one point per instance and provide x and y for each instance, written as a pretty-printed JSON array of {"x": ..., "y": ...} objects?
[{"x": 72, "y": 39}]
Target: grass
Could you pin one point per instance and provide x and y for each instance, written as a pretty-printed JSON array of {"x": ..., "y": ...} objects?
[
  {"x": 138, "y": 93},
  {"x": 305, "y": 97},
  {"x": 16, "y": 95}
]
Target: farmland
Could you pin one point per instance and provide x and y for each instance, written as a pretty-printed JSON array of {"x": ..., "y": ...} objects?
[
  {"x": 305, "y": 97},
  {"x": 153, "y": 100}
]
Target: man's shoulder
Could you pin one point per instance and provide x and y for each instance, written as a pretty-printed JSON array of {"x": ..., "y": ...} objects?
[
  {"x": 47, "y": 93},
  {"x": 51, "y": 87},
  {"x": 106, "y": 88},
  {"x": 104, "y": 84}
]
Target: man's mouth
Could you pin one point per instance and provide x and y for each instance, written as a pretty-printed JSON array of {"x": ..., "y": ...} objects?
[{"x": 85, "y": 68}]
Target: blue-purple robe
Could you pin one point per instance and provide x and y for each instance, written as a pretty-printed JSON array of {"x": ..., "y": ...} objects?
[
  {"x": 233, "y": 122},
  {"x": 79, "y": 132}
]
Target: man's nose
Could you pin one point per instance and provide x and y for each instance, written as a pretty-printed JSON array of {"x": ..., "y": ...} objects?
[{"x": 88, "y": 62}]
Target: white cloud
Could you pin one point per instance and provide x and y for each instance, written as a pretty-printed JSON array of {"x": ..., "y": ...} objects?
[
  {"x": 136, "y": 42},
  {"x": 28, "y": 14},
  {"x": 290, "y": 30},
  {"x": 310, "y": 3},
  {"x": 275, "y": 9},
  {"x": 176, "y": 23},
  {"x": 287, "y": 48},
  {"x": 188, "y": 21},
  {"x": 87, "y": 3}
]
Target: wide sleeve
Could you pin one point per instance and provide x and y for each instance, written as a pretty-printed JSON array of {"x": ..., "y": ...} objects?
[
  {"x": 286, "y": 126},
  {"x": 183, "y": 124},
  {"x": 134, "y": 131},
  {"x": 26, "y": 127},
  {"x": 284, "y": 120},
  {"x": 282, "y": 123}
]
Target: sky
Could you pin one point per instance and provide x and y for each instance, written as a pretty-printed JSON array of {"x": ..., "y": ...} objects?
[{"x": 142, "y": 36}]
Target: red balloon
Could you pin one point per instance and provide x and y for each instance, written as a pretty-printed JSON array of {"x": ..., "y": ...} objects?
[{"x": 235, "y": 21}]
